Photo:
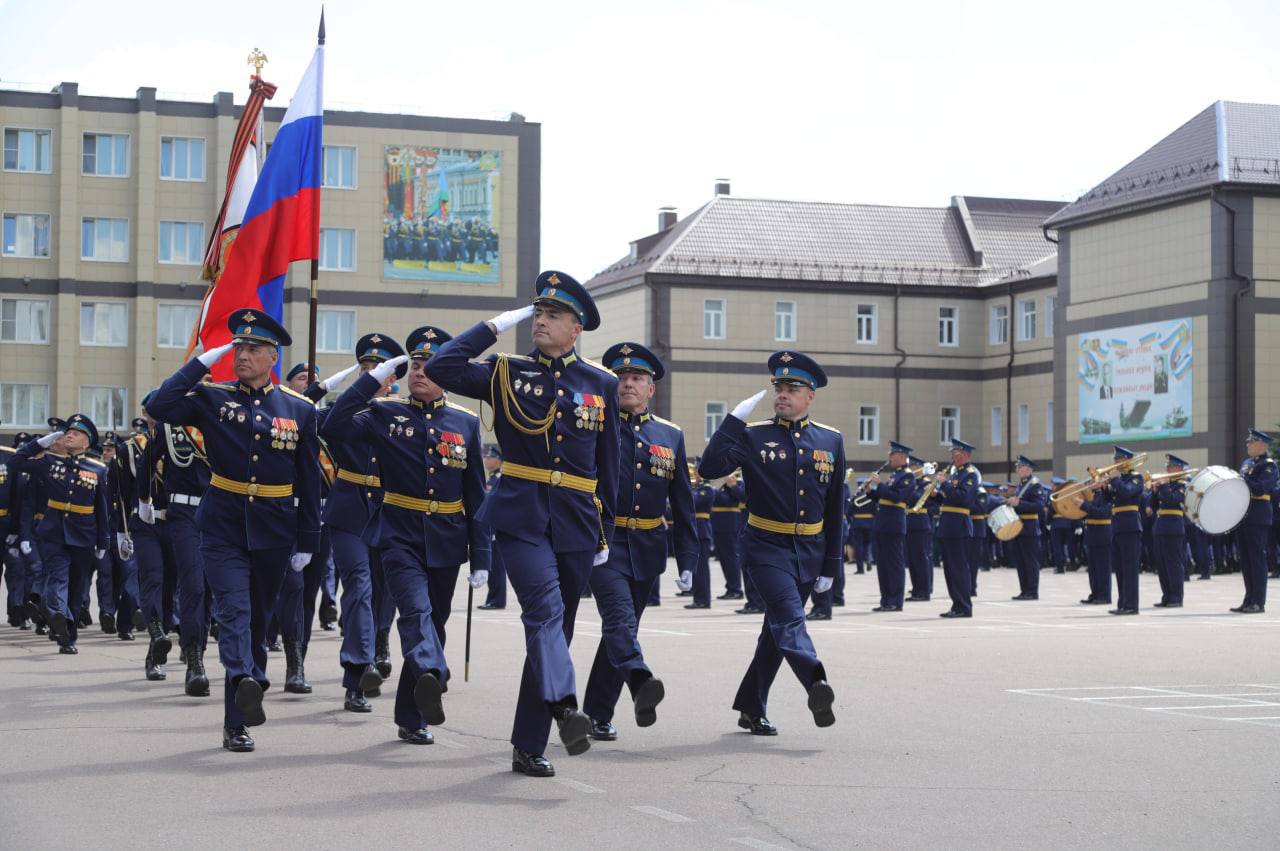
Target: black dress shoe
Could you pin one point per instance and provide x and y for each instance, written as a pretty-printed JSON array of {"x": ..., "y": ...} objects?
[
  {"x": 531, "y": 764},
  {"x": 1122, "y": 611},
  {"x": 127, "y": 635},
  {"x": 917, "y": 598},
  {"x": 328, "y": 626},
  {"x": 196, "y": 682},
  {"x": 955, "y": 614},
  {"x": 355, "y": 701},
  {"x": 575, "y": 729},
  {"x": 275, "y": 646},
  {"x": 730, "y": 595},
  {"x": 371, "y": 681},
  {"x": 1089, "y": 601},
  {"x": 248, "y": 699},
  {"x": 697, "y": 605},
  {"x": 426, "y": 694},
  {"x": 41, "y": 629},
  {"x": 108, "y": 622},
  {"x": 758, "y": 725},
  {"x": 748, "y": 610},
  {"x": 1026, "y": 597},
  {"x": 1251, "y": 609},
  {"x": 818, "y": 616},
  {"x": 237, "y": 740},
  {"x": 646, "y": 699},
  {"x": 83, "y": 618},
  {"x": 821, "y": 698},
  {"x": 1173, "y": 605},
  {"x": 684, "y": 593},
  {"x": 328, "y": 613},
  {"x": 839, "y": 604},
  {"x": 490, "y": 606},
  {"x": 603, "y": 731},
  {"x": 1202, "y": 576},
  {"x": 887, "y": 609},
  {"x": 139, "y": 620},
  {"x": 382, "y": 654},
  {"x": 214, "y": 629},
  {"x": 416, "y": 737},
  {"x": 154, "y": 672},
  {"x": 68, "y": 650},
  {"x": 160, "y": 643},
  {"x": 58, "y": 626}
]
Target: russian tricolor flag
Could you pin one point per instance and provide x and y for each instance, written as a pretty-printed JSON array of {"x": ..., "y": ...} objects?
[{"x": 281, "y": 222}]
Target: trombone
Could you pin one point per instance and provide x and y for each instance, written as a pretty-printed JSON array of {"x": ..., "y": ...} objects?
[
  {"x": 1069, "y": 501},
  {"x": 1153, "y": 482}
]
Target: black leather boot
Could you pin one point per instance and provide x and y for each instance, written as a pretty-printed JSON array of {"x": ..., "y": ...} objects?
[
  {"x": 382, "y": 654},
  {"x": 295, "y": 681},
  {"x": 155, "y": 673},
  {"x": 197, "y": 684},
  {"x": 160, "y": 643}
]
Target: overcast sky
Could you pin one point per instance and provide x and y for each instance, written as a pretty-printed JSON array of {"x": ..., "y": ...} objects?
[{"x": 644, "y": 104}]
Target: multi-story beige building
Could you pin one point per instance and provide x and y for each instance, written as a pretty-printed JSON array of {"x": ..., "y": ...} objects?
[{"x": 107, "y": 205}]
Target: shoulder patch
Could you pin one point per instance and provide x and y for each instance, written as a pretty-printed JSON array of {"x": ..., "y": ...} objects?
[
  {"x": 295, "y": 394},
  {"x": 401, "y": 399},
  {"x": 458, "y": 407},
  {"x": 824, "y": 425},
  {"x": 599, "y": 366},
  {"x": 95, "y": 462},
  {"x": 510, "y": 356},
  {"x": 760, "y": 423},
  {"x": 221, "y": 385},
  {"x": 659, "y": 419}
]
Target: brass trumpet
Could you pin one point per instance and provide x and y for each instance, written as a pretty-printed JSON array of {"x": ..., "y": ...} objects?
[
  {"x": 1070, "y": 500},
  {"x": 1159, "y": 479}
]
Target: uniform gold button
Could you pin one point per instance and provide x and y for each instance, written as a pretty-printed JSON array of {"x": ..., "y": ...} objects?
[
  {"x": 255, "y": 457},
  {"x": 559, "y": 392},
  {"x": 559, "y": 414},
  {"x": 373, "y": 458},
  {"x": 799, "y": 451},
  {"x": 428, "y": 416},
  {"x": 557, "y": 373},
  {"x": 251, "y": 499},
  {"x": 559, "y": 437},
  {"x": 639, "y": 444},
  {"x": 430, "y": 491},
  {"x": 637, "y": 428},
  {"x": 257, "y": 401},
  {"x": 257, "y": 437},
  {"x": 637, "y": 508},
  {"x": 802, "y": 514},
  {"x": 795, "y": 434},
  {"x": 637, "y": 465},
  {"x": 556, "y": 460},
  {"x": 802, "y": 472},
  {"x": 253, "y": 478},
  {"x": 802, "y": 491},
  {"x": 431, "y": 430},
  {"x": 431, "y": 469},
  {"x": 637, "y": 486},
  {"x": 258, "y": 417}
]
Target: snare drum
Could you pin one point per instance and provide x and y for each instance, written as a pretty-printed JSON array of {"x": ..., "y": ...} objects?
[
  {"x": 1005, "y": 523},
  {"x": 1217, "y": 499}
]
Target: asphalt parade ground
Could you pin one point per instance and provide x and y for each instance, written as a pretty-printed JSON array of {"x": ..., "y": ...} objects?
[{"x": 1033, "y": 725}]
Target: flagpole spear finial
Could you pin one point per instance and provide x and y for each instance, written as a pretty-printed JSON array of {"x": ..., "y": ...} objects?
[
  {"x": 257, "y": 59},
  {"x": 321, "y": 37}
]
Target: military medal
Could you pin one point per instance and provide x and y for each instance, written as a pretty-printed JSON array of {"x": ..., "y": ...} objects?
[
  {"x": 537, "y": 389},
  {"x": 408, "y": 432}
]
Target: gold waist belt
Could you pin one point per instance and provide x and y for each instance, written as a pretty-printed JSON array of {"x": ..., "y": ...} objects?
[
  {"x": 893, "y": 504},
  {"x": 638, "y": 522},
  {"x": 250, "y": 488},
  {"x": 555, "y": 478},
  {"x": 703, "y": 515},
  {"x": 357, "y": 479},
  {"x": 784, "y": 528},
  {"x": 74, "y": 509},
  {"x": 1170, "y": 511},
  {"x": 720, "y": 508},
  {"x": 427, "y": 506},
  {"x": 955, "y": 509},
  {"x": 1125, "y": 508}
]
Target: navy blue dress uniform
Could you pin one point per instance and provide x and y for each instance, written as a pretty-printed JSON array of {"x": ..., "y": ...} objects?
[
  {"x": 1126, "y": 534},
  {"x": 554, "y": 507},
  {"x": 75, "y": 524},
  {"x": 862, "y": 518},
  {"x": 704, "y": 496},
  {"x": 1170, "y": 535},
  {"x": 263, "y": 504},
  {"x": 891, "y": 531},
  {"x": 957, "y": 495},
  {"x": 428, "y": 453},
  {"x": 496, "y": 596},
  {"x": 793, "y": 474},
  {"x": 979, "y": 545},
  {"x": 1025, "y": 549},
  {"x": 1098, "y": 545},
  {"x": 29, "y": 505},
  {"x": 118, "y": 569},
  {"x": 10, "y": 554},
  {"x": 1253, "y": 535},
  {"x": 726, "y": 511},
  {"x": 919, "y": 541},
  {"x": 653, "y": 471}
]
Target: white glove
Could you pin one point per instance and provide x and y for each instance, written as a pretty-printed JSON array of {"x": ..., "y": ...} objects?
[
  {"x": 823, "y": 584},
  {"x": 510, "y": 318},
  {"x": 13, "y": 552},
  {"x": 1080, "y": 531},
  {"x": 124, "y": 545},
  {"x": 50, "y": 439},
  {"x": 338, "y": 377},
  {"x": 387, "y": 367},
  {"x": 298, "y": 561},
  {"x": 10, "y": 539},
  {"x": 212, "y": 356},
  {"x": 99, "y": 553},
  {"x": 685, "y": 582},
  {"x": 746, "y": 406},
  {"x": 25, "y": 546},
  {"x": 478, "y": 578},
  {"x": 601, "y": 557},
  {"x": 147, "y": 513}
]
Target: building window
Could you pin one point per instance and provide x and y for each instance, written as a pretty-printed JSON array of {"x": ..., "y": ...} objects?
[
  {"x": 24, "y": 405},
  {"x": 1050, "y": 306},
  {"x": 104, "y": 323},
  {"x": 948, "y": 330},
  {"x": 1024, "y": 423},
  {"x": 28, "y": 150},
  {"x": 999, "y": 324},
  {"x": 181, "y": 158},
  {"x": 105, "y": 406},
  {"x": 1027, "y": 320},
  {"x": 714, "y": 417},
  {"x": 997, "y": 426},
  {"x": 1048, "y": 422},
  {"x": 104, "y": 239},
  {"x": 336, "y": 331},
  {"x": 105, "y": 155},
  {"x": 24, "y": 320},
  {"x": 26, "y": 235},
  {"x": 182, "y": 242},
  {"x": 784, "y": 321},
  {"x": 868, "y": 425},
  {"x": 948, "y": 425},
  {"x": 713, "y": 318},
  {"x": 174, "y": 324},
  {"x": 337, "y": 249},
  {"x": 339, "y": 167},
  {"x": 867, "y": 323}
]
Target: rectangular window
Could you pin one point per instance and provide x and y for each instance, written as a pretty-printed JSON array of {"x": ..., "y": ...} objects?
[
  {"x": 948, "y": 332},
  {"x": 999, "y": 324},
  {"x": 1027, "y": 320},
  {"x": 337, "y": 249},
  {"x": 24, "y": 405},
  {"x": 105, "y": 155},
  {"x": 181, "y": 158},
  {"x": 104, "y": 239},
  {"x": 339, "y": 167},
  {"x": 105, "y": 406},
  {"x": 182, "y": 242},
  {"x": 997, "y": 426},
  {"x": 104, "y": 323},
  {"x": 713, "y": 318},
  {"x": 1050, "y": 306},
  {"x": 784, "y": 321},
  {"x": 28, "y": 150},
  {"x": 24, "y": 320},
  {"x": 1024, "y": 423},
  {"x": 1048, "y": 421},
  {"x": 948, "y": 425},
  {"x": 867, "y": 323},
  {"x": 714, "y": 417},
  {"x": 336, "y": 331},
  {"x": 26, "y": 235},
  {"x": 174, "y": 323},
  {"x": 868, "y": 425}
]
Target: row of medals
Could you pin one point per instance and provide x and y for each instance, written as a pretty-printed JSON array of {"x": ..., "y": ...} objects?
[
  {"x": 283, "y": 438},
  {"x": 664, "y": 467},
  {"x": 589, "y": 417}
]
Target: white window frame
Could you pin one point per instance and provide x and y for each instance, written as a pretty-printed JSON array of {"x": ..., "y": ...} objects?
[
  {"x": 48, "y": 314},
  {"x": 1050, "y": 308},
  {"x": 870, "y": 434},
  {"x": 873, "y": 322},
  {"x": 1023, "y": 313},
  {"x": 80, "y": 323},
  {"x": 7, "y": 414},
  {"x": 354, "y": 259},
  {"x": 322, "y": 346},
  {"x": 778, "y": 316},
  {"x": 200, "y": 244},
  {"x": 711, "y": 420},
  {"x": 192, "y": 306},
  {"x": 1024, "y": 424},
  {"x": 128, "y": 153},
  {"x": 119, "y": 420},
  {"x": 127, "y": 239},
  {"x": 1048, "y": 422},
  {"x": 18, "y": 128},
  {"x": 944, "y": 434},
  {"x": 204, "y": 161},
  {"x": 355, "y": 168},
  {"x": 997, "y": 425},
  {"x": 48, "y": 216},
  {"x": 953, "y": 321},
  {"x": 723, "y": 312},
  {"x": 994, "y": 324}
]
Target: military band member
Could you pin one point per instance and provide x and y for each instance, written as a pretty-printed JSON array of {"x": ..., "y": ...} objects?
[
  {"x": 1098, "y": 543},
  {"x": 1254, "y": 534},
  {"x": 1170, "y": 536},
  {"x": 1024, "y": 550},
  {"x": 957, "y": 491},
  {"x": 1126, "y": 533},
  {"x": 891, "y": 497},
  {"x": 1061, "y": 530},
  {"x": 862, "y": 517},
  {"x": 652, "y": 470},
  {"x": 919, "y": 540},
  {"x": 704, "y": 496},
  {"x": 261, "y": 515}
]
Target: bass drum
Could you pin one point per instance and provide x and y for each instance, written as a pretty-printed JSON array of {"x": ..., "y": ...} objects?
[
  {"x": 1006, "y": 524},
  {"x": 1217, "y": 500}
]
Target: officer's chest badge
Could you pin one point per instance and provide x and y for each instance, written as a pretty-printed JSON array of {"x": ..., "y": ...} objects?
[
  {"x": 284, "y": 433},
  {"x": 452, "y": 449},
  {"x": 824, "y": 464},
  {"x": 588, "y": 411},
  {"x": 227, "y": 411},
  {"x": 662, "y": 461}
]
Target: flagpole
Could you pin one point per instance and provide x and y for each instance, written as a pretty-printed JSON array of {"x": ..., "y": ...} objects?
[{"x": 315, "y": 268}]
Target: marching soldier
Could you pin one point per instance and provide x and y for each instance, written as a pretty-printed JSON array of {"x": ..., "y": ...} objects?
[
  {"x": 891, "y": 527},
  {"x": 652, "y": 469},
  {"x": 261, "y": 515},
  {"x": 793, "y": 469},
  {"x": 1170, "y": 535},
  {"x": 704, "y": 496},
  {"x": 15, "y": 572},
  {"x": 1254, "y": 534},
  {"x": 553, "y": 510},
  {"x": 957, "y": 491},
  {"x": 1024, "y": 550},
  {"x": 1126, "y": 533},
  {"x": 919, "y": 541},
  {"x": 1098, "y": 543}
]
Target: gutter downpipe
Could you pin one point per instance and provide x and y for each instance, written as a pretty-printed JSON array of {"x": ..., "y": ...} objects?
[
  {"x": 897, "y": 367},
  {"x": 1245, "y": 289}
]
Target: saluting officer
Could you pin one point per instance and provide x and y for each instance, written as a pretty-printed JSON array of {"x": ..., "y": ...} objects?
[
  {"x": 1024, "y": 550},
  {"x": 957, "y": 491},
  {"x": 261, "y": 515},
  {"x": 891, "y": 527},
  {"x": 652, "y": 469},
  {"x": 1170, "y": 536},
  {"x": 552, "y": 511},
  {"x": 1126, "y": 533},
  {"x": 1254, "y": 534},
  {"x": 793, "y": 470}
]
